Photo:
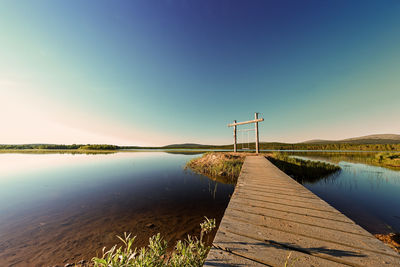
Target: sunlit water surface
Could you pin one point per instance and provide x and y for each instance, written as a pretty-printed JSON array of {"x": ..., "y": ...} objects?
[{"x": 58, "y": 208}]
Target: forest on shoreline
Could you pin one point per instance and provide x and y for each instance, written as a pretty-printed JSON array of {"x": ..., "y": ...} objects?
[{"x": 250, "y": 146}]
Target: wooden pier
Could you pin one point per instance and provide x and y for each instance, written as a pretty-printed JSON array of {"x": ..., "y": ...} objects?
[{"x": 272, "y": 220}]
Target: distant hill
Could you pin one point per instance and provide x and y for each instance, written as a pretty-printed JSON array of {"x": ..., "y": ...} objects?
[
  {"x": 368, "y": 139},
  {"x": 186, "y": 145}
]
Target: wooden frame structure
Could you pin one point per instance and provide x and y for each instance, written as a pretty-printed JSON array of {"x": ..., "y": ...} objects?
[{"x": 235, "y": 124}]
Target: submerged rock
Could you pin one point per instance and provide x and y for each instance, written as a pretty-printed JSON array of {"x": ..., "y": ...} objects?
[{"x": 150, "y": 225}]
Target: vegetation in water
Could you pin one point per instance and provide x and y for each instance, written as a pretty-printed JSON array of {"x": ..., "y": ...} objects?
[
  {"x": 191, "y": 252},
  {"x": 302, "y": 170},
  {"x": 224, "y": 167},
  {"x": 384, "y": 159},
  {"x": 387, "y": 159}
]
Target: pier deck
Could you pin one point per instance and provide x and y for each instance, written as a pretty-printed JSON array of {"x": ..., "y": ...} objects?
[{"x": 272, "y": 220}]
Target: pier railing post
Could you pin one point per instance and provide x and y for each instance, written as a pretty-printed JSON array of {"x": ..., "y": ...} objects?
[
  {"x": 234, "y": 137},
  {"x": 256, "y": 125}
]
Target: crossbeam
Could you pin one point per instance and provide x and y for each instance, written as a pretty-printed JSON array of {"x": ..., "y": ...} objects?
[
  {"x": 245, "y": 122},
  {"x": 235, "y": 124}
]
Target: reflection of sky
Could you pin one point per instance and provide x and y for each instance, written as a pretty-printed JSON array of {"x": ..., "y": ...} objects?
[
  {"x": 375, "y": 190},
  {"x": 159, "y": 72},
  {"x": 14, "y": 164},
  {"x": 106, "y": 195},
  {"x": 52, "y": 179}
]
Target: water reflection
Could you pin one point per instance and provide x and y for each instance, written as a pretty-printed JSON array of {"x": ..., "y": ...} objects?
[
  {"x": 309, "y": 172},
  {"x": 369, "y": 195},
  {"x": 56, "y": 208}
]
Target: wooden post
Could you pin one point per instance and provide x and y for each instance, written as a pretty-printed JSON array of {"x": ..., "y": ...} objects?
[
  {"x": 256, "y": 125},
  {"x": 235, "y": 124},
  {"x": 234, "y": 137}
]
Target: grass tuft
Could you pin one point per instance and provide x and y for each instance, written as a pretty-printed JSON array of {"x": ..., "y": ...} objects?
[
  {"x": 302, "y": 170},
  {"x": 224, "y": 167},
  {"x": 191, "y": 252}
]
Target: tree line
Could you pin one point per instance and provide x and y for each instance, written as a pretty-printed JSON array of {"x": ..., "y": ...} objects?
[
  {"x": 66, "y": 147},
  {"x": 264, "y": 146}
]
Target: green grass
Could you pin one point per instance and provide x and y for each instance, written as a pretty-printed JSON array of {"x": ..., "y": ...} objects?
[
  {"x": 303, "y": 170},
  {"x": 384, "y": 159},
  {"x": 391, "y": 160},
  {"x": 224, "y": 167},
  {"x": 191, "y": 252}
]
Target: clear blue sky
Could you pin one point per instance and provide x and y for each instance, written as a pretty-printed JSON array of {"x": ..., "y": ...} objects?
[{"x": 159, "y": 72}]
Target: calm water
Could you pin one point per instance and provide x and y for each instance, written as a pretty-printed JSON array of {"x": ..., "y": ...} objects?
[
  {"x": 57, "y": 208},
  {"x": 369, "y": 195}
]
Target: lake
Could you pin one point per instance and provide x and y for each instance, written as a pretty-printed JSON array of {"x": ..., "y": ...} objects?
[
  {"x": 369, "y": 195},
  {"x": 62, "y": 208}
]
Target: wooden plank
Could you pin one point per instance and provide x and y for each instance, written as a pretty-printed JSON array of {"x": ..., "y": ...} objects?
[
  {"x": 288, "y": 216},
  {"x": 218, "y": 257},
  {"x": 271, "y": 215},
  {"x": 353, "y": 256},
  {"x": 273, "y": 184},
  {"x": 329, "y": 234},
  {"x": 275, "y": 195},
  {"x": 278, "y": 189},
  {"x": 267, "y": 254},
  {"x": 315, "y": 205},
  {"x": 281, "y": 207},
  {"x": 276, "y": 192},
  {"x": 245, "y": 122}
]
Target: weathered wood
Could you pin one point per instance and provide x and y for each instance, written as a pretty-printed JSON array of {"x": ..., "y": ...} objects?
[
  {"x": 270, "y": 216},
  {"x": 259, "y": 217},
  {"x": 234, "y": 138},
  {"x": 327, "y": 234},
  {"x": 256, "y": 128},
  {"x": 244, "y": 203},
  {"x": 275, "y": 195},
  {"x": 235, "y": 124},
  {"x": 295, "y": 203},
  {"x": 245, "y": 122},
  {"x": 265, "y": 254},
  {"x": 220, "y": 257}
]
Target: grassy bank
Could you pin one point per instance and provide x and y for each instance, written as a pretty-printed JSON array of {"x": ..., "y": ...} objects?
[
  {"x": 302, "y": 170},
  {"x": 384, "y": 159},
  {"x": 191, "y": 252},
  {"x": 387, "y": 160},
  {"x": 224, "y": 167}
]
